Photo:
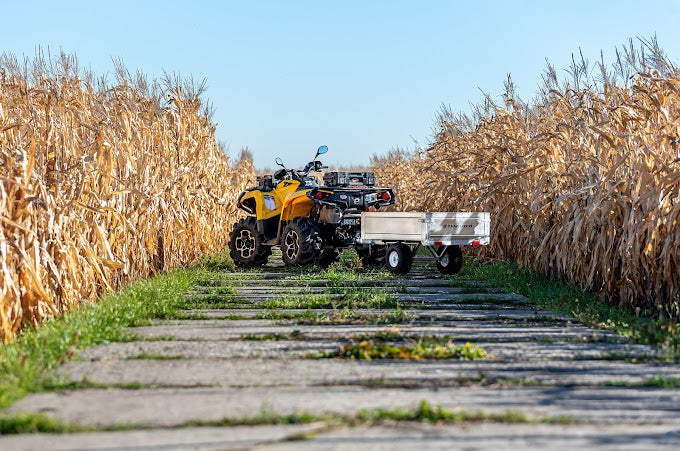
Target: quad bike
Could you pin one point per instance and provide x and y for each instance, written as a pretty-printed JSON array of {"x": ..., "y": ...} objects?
[{"x": 311, "y": 221}]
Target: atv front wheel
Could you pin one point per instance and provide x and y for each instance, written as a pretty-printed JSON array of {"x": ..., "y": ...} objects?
[
  {"x": 398, "y": 258},
  {"x": 245, "y": 244},
  {"x": 300, "y": 242},
  {"x": 451, "y": 261}
]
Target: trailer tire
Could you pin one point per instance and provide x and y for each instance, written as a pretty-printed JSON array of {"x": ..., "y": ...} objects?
[
  {"x": 300, "y": 242},
  {"x": 452, "y": 261},
  {"x": 398, "y": 258},
  {"x": 245, "y": 244}
]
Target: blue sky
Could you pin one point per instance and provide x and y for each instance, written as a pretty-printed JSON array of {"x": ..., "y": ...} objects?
[{"x": 361, "y": 77}]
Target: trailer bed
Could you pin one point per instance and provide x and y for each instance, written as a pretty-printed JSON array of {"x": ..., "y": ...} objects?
[{"x": 426, "y": 228}]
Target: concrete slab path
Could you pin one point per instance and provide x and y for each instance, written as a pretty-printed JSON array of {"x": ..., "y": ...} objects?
[{"x": 569, "y": 385}]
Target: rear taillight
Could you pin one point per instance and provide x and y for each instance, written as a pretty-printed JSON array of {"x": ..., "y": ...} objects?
[
  {"x": 385, "y": 196},
  {"x": 318, "y": 195}
]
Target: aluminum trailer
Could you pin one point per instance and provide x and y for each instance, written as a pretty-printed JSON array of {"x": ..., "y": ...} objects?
[{"x": 402, "y": 234}]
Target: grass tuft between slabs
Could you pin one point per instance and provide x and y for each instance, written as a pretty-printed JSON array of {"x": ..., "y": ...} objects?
[
  {"x": 423, "y": 413},
  {"x": 424, "y": 348}
]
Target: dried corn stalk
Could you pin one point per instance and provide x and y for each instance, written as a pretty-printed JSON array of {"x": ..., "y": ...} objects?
[
  {"x": 584, "y": 185},
  {"x": 99, "y": 186}
]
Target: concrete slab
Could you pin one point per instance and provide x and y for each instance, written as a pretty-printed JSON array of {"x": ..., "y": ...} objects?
[
  {"x": 293, "y": 282},
  {"x": 175, "y": 406},
  {"x": 267, "y": 372},
  {"x": 474, "y": 331},
  {"x": 278, "y": 289},
  {"x": 196, "y": 438},
  {"x": 437, "y": 315},
  {"x": 290, "y": 349},
  {"x": 447, "y": 298},
  {"x": 486, "y": 436}
]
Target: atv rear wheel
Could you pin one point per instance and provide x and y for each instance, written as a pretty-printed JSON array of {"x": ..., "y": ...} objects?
[
  {"x": 328, "y": 256},
  {"x": 246, "y": 244},
  {"x": 300, "y": 242},
  {"x": 373, "y": 257},
  {"x": 451, "y": 261},
  {"x": 398, "y": 258}
]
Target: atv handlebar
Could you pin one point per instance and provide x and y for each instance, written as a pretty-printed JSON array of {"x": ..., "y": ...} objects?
[
  {"x": 313, "y": 166},
  {"x": 300, "y": 175}
]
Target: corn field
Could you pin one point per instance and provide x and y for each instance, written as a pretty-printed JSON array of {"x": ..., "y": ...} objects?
[
  {"x": 102, "y": 184},
  {"x": 582, "y": 185}
]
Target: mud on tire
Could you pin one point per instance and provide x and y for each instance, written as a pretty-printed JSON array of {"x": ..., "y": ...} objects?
[
  {"x": 300, "y": 242},
  {"x": 246, "y": 244}
]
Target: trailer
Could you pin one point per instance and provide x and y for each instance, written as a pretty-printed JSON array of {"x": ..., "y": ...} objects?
[{"x": 402, "y": 234}]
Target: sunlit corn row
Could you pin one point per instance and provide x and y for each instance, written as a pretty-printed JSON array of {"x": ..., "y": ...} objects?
[
  {"x": 102, "y": 186},
  {"x": 583, "y": 186}
]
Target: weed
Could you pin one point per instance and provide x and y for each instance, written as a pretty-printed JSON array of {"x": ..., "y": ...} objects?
[
  {"x": 424, "y": 348},
  {"x": 217, "y": 262},
  {"x": 656, "y": 381},
  {"x": 349, "y": 299},
  {"x": 423, "y": 413},
  {"x": 294, "y": 335},
  {"x": 154, "y": 356},
  {"x": 345, "y": 316},
  {"x": 28, "y": 423},
  {"x": 426, "y": 413}
]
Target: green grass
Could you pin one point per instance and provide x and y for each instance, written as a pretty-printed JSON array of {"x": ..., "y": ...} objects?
[
  {"x": 648, "y": 327},
  {"x": 389, "y": 334},
  {"x": 426, "y": 413},
  {"x": 423, "y": 413},
  {"x": 212, "y": 299},
  {"x": 28, "y": 363},
  {"x": 27, "y": 423},
  {"x": 656, "y": 381},
  {"x": 65, "y": 384},
  {"x": 341, "y": 275},
  {"x": 345, "y": 316},
  {"x": 349, "y": 299},
  {"x": 154, "y": 356},
  {"x": 294, "y": 335},
  {"x": 220, "y": 290},
  {"x": 195, "y": 303},
  {"x": 424, "y": 348}
]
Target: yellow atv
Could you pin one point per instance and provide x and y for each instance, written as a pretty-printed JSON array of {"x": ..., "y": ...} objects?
[{"x": 311, "y": 221}]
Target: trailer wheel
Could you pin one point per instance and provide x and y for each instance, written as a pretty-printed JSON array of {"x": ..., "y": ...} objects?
[
  {"x": 245, "y": 244},
  {"x": 398, "y": 258},
  {"x": 300, "y": 242},
  {"x": 451, "y": 261}
]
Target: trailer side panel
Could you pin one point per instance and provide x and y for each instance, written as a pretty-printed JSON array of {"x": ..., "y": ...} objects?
[{"x": 446, "y": 228}]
